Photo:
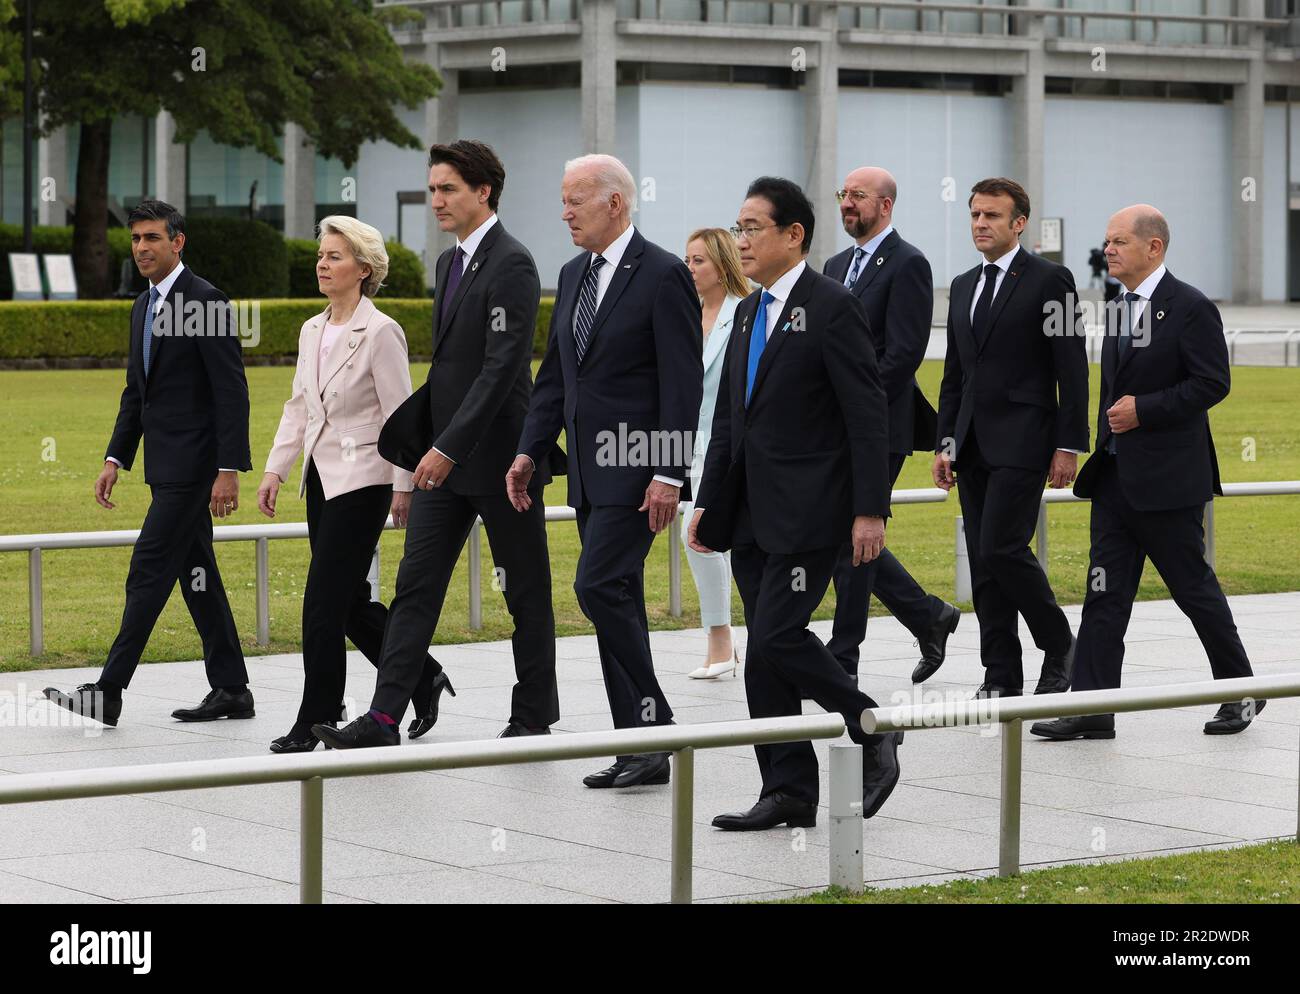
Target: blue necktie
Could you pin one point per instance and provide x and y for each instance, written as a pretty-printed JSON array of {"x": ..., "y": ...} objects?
[
  {"x": 148, "y": 326},
  {"x": 859, "y": 254},
  {"x": 757, "y": 342}
]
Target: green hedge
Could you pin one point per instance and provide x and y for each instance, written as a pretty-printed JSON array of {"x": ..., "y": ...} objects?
[
  {"x": 405, "y": 270},
  {"x": 97, "y": 329}
]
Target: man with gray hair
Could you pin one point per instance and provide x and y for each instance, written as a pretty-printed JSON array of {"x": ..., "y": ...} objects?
[
  {"x": 622, "y": 377},
  {"x": 1164, "y": 364}
]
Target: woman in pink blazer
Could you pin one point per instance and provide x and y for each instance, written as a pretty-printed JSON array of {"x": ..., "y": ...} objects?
[{"x": 352, "y": 374}]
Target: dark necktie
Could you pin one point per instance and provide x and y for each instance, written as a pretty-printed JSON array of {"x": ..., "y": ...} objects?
[
  {"x": 586, "y": 311},
  {"x": 981, "y": 317},
  {"x": 859, "y": 254},
  {"x": 1122, "y": 343},
  {"x": 148, "y": 327},
  {"x": 454, "y": 274}
]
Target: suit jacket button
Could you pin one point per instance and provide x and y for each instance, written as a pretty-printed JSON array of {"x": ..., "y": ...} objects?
[
  {"x": 349, "y": 365},
  {"x": 334, "y": 393}
]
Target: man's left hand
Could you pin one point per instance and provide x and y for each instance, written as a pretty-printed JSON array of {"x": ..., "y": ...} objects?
[
  {"x": 1123, "y": 415},
  {"x": 661, "y": 502},
  {"x": 432, "y": 470},
  {"x": 225, "y": 494}
]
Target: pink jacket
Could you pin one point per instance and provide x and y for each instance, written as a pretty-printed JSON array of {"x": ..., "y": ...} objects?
[{"x": 334, "y": 419}]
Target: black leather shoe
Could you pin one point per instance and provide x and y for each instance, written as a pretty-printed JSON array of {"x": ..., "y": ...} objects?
[
  {"x": 287, "y": 743},
  {"x": 934, "y": 643},
  {"x": 770, "y": 811},
  {"x": 650, "y": 769},
  {"x": 1057, "y": 671},
  {"x": 987, "y": 690},
  {"x": 427, "y": 716},
  {"x": 357, "y": 734},
  {"x": 89, "y": 702},
  {"x": 880, "y": 770},
  {"x": 1084, "y": 726},
  {"x": 219, "y": 704},
  {"x": 1232, "y": 718},
  {"x": 606, "y": 777},
  {"x": 516, "y": 729}
]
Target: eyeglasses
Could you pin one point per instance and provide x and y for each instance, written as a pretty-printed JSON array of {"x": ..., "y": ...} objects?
[
  {"x": 749, "y": 231},
  {"x": 857, "y": 196}
]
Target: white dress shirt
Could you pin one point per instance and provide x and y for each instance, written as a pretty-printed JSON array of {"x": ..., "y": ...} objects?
[
  {"x": 163, "y": 287},
  {"x": 780, "y": 291},
  {"x": 1144, "y": 290}
]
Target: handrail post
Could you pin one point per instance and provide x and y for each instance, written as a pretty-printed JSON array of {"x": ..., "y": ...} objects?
[
  {"x": 1041, "y": 536},
  {"x": 683, "y": 823},
  {"x": 476, "y": 576},
  {"x": 1009, "y": 822},
  {"x": 36, "y": 600},
  {"x": 311, "y": 840},
  {"x": 846, "y": 816},
  {"x": 961, "y": 584},
  {"x": 263, "y": 598},
  {"x": 1209, "y": 532},
  {"x": 675, "y": 566}
]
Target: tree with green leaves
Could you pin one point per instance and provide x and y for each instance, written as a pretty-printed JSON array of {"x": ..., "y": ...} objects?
[{"x": 237, "y": 69}]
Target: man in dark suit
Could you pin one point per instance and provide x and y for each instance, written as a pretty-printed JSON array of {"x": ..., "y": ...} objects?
[
  {"x": 1164, "y": 364},
  {"x": 798, "y": 460},
  {"x": 458, "y": 434},
  {"x": 187, "y": 397},
  {"x": 892, "y": 279},
  {"x": 623, "y": 377},
  {"x": 1013, "y": 412}
]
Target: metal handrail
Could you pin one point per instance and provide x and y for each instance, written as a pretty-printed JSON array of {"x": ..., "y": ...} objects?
[
  {"x": 311, "y": 771},
  {"x": 1010, "y": 714}
]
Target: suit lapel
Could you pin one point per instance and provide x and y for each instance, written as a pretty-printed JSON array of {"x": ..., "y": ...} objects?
[
  {"x": 176, "y": 324},
  {"x": 872, "y": 266},
  {"x": 346, "y": 344},
  {"x": 136, "y": 348},
  {"x": 472, "y": 266},
  {"x": 1153, "y": 318},
  {"x": 839, "y": 266},
  {"x": 741, "y": 328},
  {"x": 440, "y": 284},
  {"x": 965, "y": 299},
  {"x": 711, "y": 348},
  {"x": 1009, "y": 283},
  {"x": 798, "y": 295},
  {"x": 311, "y": 352}
]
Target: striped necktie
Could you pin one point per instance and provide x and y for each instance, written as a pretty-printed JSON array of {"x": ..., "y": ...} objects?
[{"x": 586, "y": 310}]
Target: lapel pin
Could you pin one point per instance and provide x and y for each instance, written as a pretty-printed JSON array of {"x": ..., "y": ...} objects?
[
  {"x": 786, "y": 326},
  {"x": 474, "y": 267},
  {"x": 352, "y": 343},
  {"x": 627, "y": 265},
  {"x": 1160, "y": 315},
  {"x": 880, "y": 260}
]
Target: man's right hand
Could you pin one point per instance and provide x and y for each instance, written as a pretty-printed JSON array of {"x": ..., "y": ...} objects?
[
  {"x": 104, "y": 485},
  {"x": 518, "y": 477},
  {"x": 944, "y": 478}
]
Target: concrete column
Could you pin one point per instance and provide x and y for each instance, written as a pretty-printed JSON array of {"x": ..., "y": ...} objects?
[
  {"x": 1247, "y": 175},
  {"x": 821, "y": 118},
  {"x": 299, "y": 184},
  {"x": 52, "y": 176},
  {"x": 169, "y": 179},
  {"x": 1027, "y": 100},
  {"x": 599, "y": 76},
  {"x": 441, "y": 126}
]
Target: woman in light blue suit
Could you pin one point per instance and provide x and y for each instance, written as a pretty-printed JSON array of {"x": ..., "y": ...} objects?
[{"x": 714, "y": 262}]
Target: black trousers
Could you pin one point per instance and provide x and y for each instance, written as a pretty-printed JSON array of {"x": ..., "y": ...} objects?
[
  {"x": 999, "y": 506},
  {"x": 785, "y": 662},
  {"x": 175, "y": 543},
  {"x": 439, "y": 524},
  {"x": 343, "y": 532},
  {"x": 610, "y": 584},
  {"x": 893, "y": 586},
  {"x": 1122, "y": 538}
]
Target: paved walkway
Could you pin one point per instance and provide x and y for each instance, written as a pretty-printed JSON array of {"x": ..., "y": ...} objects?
[{"x": 534, "y": 834}]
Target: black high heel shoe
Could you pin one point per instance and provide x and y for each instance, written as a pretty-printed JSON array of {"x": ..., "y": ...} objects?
[{"x": 422, "y": 723}]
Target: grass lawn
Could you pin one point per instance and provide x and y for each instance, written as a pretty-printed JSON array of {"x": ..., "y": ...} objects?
[
  {"x": 1260, "y": 874},
  {"x": 54, "y": 426}
]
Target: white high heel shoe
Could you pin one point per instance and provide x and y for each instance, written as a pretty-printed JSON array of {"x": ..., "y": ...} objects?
[{"x": 711, "y": 671}]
